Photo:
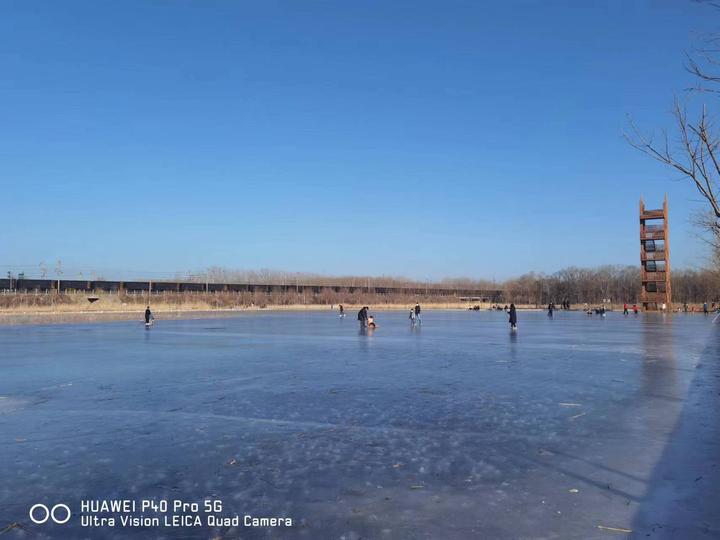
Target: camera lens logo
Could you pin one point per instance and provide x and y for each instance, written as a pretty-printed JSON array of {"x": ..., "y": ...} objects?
[{"x": 60, "y": 513}]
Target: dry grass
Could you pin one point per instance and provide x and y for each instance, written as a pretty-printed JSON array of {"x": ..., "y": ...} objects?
[
  {"x": 41, "y": 307},
  {"x": 78, "y": 302},
  {"x": 36, "y": 308}
]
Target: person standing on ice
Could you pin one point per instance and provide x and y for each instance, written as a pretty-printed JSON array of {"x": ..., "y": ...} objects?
[
  {"x": 513, "y": 318},
  {"x": 363, "y": 316},
  {"x": 550, "y": 309},
  {"x": 417, "y": 313},
  {"x": 148, "y": 316}
]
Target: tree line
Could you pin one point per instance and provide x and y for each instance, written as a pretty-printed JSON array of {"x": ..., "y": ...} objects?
[
  {"x": 216, "y": 274},
  {"x": 612, "y": 283}
]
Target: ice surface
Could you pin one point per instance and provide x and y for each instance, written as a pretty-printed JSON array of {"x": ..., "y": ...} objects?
[{"x": 456, "y": 429}]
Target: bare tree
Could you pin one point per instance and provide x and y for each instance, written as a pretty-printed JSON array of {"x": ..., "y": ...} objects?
[
  {"x": 696, "y": 156},
  {"x": 695, "y": 151}
]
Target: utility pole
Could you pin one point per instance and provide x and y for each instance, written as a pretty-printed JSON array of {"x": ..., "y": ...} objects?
[{"x": 58, "y": 272}]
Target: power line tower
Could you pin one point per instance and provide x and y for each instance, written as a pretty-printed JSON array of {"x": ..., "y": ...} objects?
[{"x": 655, "y": 257}]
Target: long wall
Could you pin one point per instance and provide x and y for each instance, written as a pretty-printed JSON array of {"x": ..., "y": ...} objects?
[{"x": 68, "y": 285}]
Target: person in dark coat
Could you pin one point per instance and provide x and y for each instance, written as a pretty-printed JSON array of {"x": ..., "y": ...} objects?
[
  {"x": 551, "y": 307},
  {"x": 513, "y": 317},
  {"x": 363, "y": 316},
  {"x": 148, "y": 316},
  {"x": 417, "y": 313}
]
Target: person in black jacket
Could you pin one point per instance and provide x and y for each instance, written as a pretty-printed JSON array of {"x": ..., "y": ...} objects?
[
  {"x": 513, "y": 317},
  {"x": 417, "y": 313},
  {"x": 148, "y": 316},
  {"x": 363, "y": 316}
]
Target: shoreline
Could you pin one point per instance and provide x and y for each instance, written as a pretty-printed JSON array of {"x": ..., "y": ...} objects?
[
  {"x": 21, "y": 316},
  {"x": 68, "y": 314}
]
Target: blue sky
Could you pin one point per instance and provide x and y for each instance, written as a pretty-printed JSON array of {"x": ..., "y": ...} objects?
[{"x": 425, "y": 139}]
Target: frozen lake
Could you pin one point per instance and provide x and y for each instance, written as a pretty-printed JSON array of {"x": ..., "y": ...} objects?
[{"x": 454, "y": 430}]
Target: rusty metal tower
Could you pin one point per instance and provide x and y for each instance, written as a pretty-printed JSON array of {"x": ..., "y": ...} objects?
[{"x": 655, "y": 257}]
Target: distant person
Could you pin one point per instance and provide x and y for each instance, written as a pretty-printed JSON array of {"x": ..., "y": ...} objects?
[
  {"x": 635, "y": 309},
  {"x": 363, "y": 317},
  {"x": 417, "y": 313},
  {"x": 625, "y": 309},
  {"x": 149, "y": 318},
  {"x": 513, "y": 318},
  {"x": 705, "y": 308},
  {"x": 550, "y": 309},
  {"x": 342, "y": 311},
  {"x": 412, "y": 317}
]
